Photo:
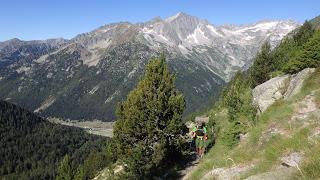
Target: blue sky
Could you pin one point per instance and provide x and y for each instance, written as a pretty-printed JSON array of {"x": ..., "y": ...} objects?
[{"x": 42, "y": 19}]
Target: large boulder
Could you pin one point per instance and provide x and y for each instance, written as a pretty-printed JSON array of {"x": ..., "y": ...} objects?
[
  {"x": 267, "y": 93},
  {"x": 228, "y": 173},
  {"x": 276, "y": 88},
  {"x": 292, "y": 160},
  {"x": 281, "y": 173},
  {"x": 296, "y": 82},
  {"x": 286, "y": 171}
]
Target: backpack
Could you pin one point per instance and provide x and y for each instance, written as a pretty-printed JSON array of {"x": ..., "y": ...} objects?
[{"x": 200, "y": 132}]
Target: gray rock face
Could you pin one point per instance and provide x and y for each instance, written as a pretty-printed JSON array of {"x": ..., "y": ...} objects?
[
  {"x": 314, "y": 135},
  {"x": 278, "y": 174},
  {"x": 267, "y": 93},
  {"x": 292, "y": 160},
  {"x": 276, "y": 88},
  {"x": 244, "y": 137},
  {"x": 296, "y": 82},
  {"x": 286, "y": 171},
  {"x": 228, "y": 173}
]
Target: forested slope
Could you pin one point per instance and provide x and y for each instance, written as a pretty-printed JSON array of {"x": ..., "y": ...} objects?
[{"x": 31, "y": 147}]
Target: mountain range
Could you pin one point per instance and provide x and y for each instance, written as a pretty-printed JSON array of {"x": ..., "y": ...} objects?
[{"x": 85, "y": 77}]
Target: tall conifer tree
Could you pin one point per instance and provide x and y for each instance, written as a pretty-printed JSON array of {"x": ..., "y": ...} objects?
[{"x": 149, "y": 123}]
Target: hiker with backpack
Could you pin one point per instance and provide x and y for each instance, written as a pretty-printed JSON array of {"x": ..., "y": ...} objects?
[{"x": 200, "y": 134}]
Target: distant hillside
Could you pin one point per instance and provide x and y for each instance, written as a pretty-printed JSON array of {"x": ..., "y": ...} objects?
[
  {"x": 16, "y": 51},
  {"x": 31, "y": 148}
]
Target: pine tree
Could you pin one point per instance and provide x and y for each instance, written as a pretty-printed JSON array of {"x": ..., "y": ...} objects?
[
  {"x": 285, "y": 55},
  {"x": 311, "y": 52},
  {"x": 262, "y": 66},
  {"x": 307, "y": 57},
  {"x": 237, "y": 99},
  {"x": 147, "y": 133},
  {"x": 232, "y": 96},
  {"x": 65, "y": 169},
  {"x": 80, "y": 174},
  {"x": 303, "y": 34}
]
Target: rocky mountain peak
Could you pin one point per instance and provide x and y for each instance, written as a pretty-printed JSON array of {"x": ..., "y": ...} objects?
[
  {"x": 181, "y": 16},
  {"x": 14, "y": 40},
  {"x": 10, "y": 42}
]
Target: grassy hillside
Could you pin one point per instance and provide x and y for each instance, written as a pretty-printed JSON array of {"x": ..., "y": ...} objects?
[
  {"x": 31, "y": 148},
  {"x": 264, "y": 148}
]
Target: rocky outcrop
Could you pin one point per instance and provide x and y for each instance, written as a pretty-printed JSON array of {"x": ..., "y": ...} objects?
[
  {"x": 282, "y": 173},
  {"x": 306, "y": 111},
  {"x": 314, "y": 135},
  {"x": 276, "y": 88},
  {"x": 296, "y": 82},
  {"x": 267, "y": 93},
  {"x": 286, "y": 171},
  {"x": 292, "y": 160},
  {"x": 228, "y": 173}
]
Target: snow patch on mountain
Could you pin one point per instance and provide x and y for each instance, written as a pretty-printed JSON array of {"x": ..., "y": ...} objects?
[
  {"x": 49, "y": 75},
  {"x": 23, "y": 69},
  {"x": 259, "y": 27},
  {"x": 41, "y": 59},
  {"x": 47, "y": 103},
  {"x": 110, "y": 98},
  {"x": 184, "y": 50},
  {"x": 214, "y": 30},
  {"x": 131, "y": 73},
  {"x": 197, "y": 38},
  {"x": 94, "y": 89},
  {"x": 100, "y": 44},
  {"x": 92, "y": 60},
  {"x": 171, "y": 18}
]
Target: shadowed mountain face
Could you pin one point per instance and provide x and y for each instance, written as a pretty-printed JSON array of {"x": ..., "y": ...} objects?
[{"x": 85, "y": 77}]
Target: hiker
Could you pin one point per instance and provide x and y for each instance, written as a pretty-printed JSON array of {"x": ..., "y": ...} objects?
[{"x": 200, "y": 134}]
